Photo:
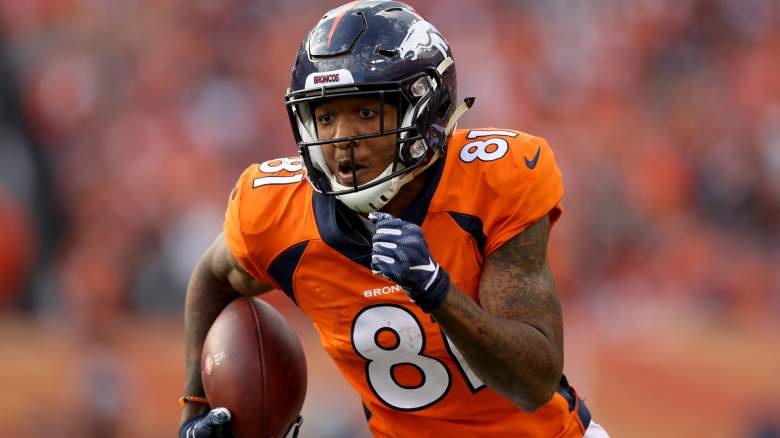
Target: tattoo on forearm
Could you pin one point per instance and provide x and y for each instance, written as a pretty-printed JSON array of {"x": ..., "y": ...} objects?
[
  {"x": 518, "y": 283},
  {"x": 514, "y": 341}
]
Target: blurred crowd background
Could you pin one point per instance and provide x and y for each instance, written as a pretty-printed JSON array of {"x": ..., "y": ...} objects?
[{"x": 124, "y": 124}]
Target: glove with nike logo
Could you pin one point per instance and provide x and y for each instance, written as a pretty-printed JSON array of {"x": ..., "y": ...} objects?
[{"x": 400, "y": 254}]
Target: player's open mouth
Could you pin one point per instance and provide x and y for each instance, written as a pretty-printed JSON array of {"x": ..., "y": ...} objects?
[{"x": 344, "y": 173}]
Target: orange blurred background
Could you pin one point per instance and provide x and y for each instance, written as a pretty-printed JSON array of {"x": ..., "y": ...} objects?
[{"x": 124, "y": 124}]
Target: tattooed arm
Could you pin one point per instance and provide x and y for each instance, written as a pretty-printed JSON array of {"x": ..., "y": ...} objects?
[
  {"x": 217, "y": 280},
  {"x": 514, "y": 342}
]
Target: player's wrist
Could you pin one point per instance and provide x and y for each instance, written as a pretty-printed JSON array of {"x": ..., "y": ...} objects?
[
  {"x": 187, "y": 425},
  {"x": 193, "y": 410},
  {"x": 433, "y": 297}
]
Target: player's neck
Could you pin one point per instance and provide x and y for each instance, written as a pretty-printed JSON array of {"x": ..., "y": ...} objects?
[{"x": 405, "y": 196}]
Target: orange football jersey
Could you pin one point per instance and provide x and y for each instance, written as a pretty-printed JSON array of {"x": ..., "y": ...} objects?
[{"x": 491, "y": 185}]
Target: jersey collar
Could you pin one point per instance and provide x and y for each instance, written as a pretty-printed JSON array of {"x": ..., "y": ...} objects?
[
  {"x": 416, "y": 211},
  {"x": 360, "y": 251}
]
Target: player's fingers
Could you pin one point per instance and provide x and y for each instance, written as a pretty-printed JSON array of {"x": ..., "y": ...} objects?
[
  {"x": 379, "y": 216},
  {"x": 379, "y": 273},
  {"x": 410, "y": 228},
  {"x": 379, "y": 259},
  {"x": 384, "y": 253},
  {"x": 384, "y": 222},
  {"x": 218, "y": 417},
  {"x": 378, "y": 245},
  {"x": 382, "y": 266},
  {"x": 385, "y": 230}
]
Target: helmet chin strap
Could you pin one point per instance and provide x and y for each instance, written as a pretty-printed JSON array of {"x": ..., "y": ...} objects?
[
  {"x": 374, "y": 198},
  {"x": 458, "y": 113}
]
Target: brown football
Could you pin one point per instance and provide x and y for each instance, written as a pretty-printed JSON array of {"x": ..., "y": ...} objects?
[{"x": 253, "y": 364}]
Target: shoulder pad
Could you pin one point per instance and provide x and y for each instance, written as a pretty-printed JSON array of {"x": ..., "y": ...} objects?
[{"x": 506, "y": 178}]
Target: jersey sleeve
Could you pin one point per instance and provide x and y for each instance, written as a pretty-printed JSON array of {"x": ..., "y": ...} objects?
[
  {"x": 234, "y": 235},
  {"x": 529, "y": 187}
]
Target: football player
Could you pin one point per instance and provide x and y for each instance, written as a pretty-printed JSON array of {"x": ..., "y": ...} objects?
[{"x": 417, "y": 249}]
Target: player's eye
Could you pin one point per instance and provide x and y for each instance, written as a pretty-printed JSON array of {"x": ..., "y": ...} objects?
[
  {"x": 325, "y": 118},
  {"x": 366, "y": 113}
]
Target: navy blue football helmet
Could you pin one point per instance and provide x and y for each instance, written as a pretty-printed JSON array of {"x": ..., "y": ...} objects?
[{"x": 383, "y": 50}]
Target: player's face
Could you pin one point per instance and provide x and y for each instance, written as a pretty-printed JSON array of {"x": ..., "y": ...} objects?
[{"x": 345, "y": 117}]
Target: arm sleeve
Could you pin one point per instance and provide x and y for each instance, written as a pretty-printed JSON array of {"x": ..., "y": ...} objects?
[{"x": 526, "y": 191}]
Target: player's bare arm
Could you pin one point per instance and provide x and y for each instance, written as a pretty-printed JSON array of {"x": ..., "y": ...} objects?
[
  {"x": 217, "y": 280},
  {"x": 514, "y": 342}
]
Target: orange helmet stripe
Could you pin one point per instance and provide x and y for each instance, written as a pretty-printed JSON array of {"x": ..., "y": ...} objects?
[{"x": 341, "y": 11}]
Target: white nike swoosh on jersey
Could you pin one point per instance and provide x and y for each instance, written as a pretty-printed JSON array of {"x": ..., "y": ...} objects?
[{"x": 430, "y": 267}]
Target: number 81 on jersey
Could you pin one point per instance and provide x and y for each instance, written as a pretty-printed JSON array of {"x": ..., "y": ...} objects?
[{"x": 382, "y": 360}]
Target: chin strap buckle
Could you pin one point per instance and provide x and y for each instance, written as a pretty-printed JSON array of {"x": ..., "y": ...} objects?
[{"x": 458, "y": 113}]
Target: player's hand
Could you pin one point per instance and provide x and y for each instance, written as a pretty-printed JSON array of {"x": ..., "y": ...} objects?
[
  {"x": 294, "y": 428},
  {"x": 400, "y": 254},
  {"x": 214, "y": 424}
]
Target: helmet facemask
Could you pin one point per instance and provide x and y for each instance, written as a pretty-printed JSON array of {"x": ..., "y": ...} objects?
[{"x": 413, "y": 151}]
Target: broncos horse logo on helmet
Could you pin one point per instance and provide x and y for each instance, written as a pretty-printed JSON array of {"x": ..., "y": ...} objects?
[
  {"x": 422, "y": 36},
  {"x": 383, "y": 50}
]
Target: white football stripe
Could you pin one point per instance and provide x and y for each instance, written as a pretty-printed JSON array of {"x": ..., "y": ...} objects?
[{"x": 383, "y": 259}]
